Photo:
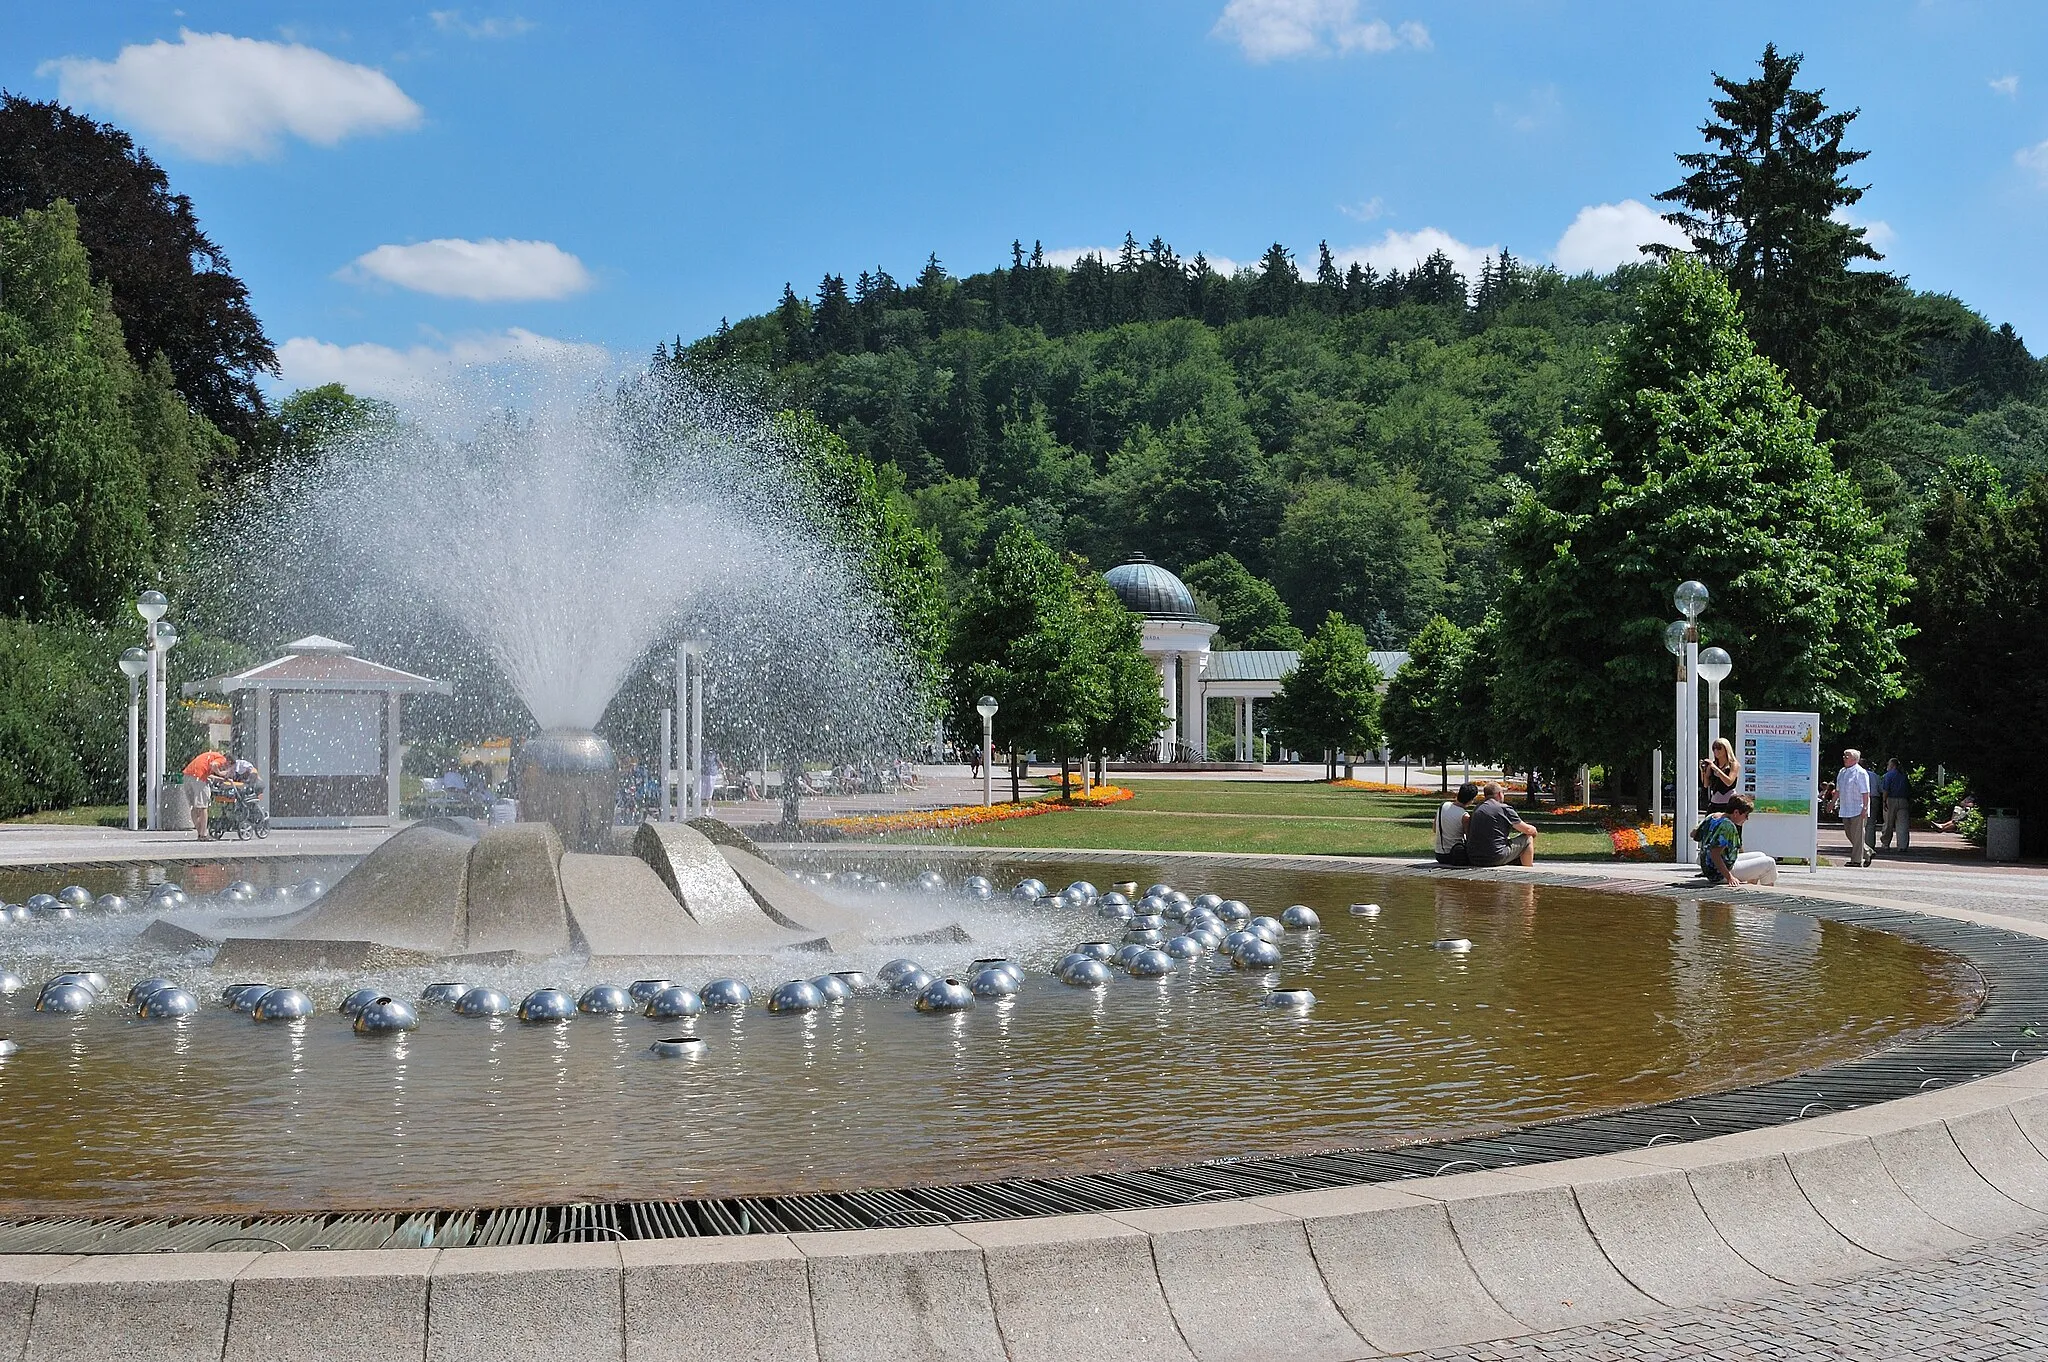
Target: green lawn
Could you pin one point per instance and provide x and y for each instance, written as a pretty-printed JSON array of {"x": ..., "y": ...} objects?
[
  {"x": 83, "y": 816},
  {"x": 1304, "y": 819}
]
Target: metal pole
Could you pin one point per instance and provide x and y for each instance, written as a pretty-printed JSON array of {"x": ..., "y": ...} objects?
[
  {"x": 134, "y": 752},
  {"x": 1713, "y": 714},
  {"x": 152, "y": 765},
  {"x": 667, "y": 746},
  {"x": 698, "y": 770},
  {"x": 988, "y": 758},
  {"x": 1691, "y": 776},
  {"x": 681, "y": 740},
  {"x": 1678, "y": 767},
  {"x": 1656, "y": 786}
]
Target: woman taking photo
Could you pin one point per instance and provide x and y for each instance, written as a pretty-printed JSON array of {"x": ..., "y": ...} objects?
[{"x": 1719, "y": 775}]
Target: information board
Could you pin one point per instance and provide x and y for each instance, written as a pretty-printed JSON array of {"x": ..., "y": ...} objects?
[{"x": 1780, "y": 755}]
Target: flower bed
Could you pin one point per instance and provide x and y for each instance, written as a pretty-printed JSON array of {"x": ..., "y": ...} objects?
[
  {"x": 1633, "y": 840},
  {"x": 968, "y": 815}
]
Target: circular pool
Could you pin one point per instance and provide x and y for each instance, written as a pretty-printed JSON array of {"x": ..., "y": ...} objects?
[{"x": 1567, "y": 1002}]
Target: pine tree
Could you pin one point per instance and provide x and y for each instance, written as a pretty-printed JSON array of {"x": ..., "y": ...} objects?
[
  {"x": 834, "y": 324},
  {"x": 1329, "y": 291},
  {"x": 1278, "y": 287},
  {"x": 793, "y": 321}
]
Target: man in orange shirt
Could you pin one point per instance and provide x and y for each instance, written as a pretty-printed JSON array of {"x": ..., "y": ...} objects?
[{"x": 197, "y": 789}]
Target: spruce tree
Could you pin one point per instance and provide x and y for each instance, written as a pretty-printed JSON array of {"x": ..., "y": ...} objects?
[{"x": 1331, "y": 702}]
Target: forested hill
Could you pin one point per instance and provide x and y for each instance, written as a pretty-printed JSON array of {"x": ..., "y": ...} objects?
[{"x": 1349, "y": 435}]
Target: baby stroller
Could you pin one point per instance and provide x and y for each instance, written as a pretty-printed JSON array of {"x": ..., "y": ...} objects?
[{"x": 237, "y": 809}]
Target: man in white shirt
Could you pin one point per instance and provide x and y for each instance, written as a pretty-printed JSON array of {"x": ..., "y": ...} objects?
[{"x": 1852, "y": 799}]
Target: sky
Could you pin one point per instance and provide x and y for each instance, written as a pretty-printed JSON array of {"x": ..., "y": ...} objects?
[{"x": 406, "y": 187}]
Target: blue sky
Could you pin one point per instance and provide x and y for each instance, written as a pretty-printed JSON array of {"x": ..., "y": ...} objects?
[{"x": 402, "y": 184}]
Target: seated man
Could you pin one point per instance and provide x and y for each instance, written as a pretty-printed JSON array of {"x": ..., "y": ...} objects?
[
  {"x": 1450, "y": 827},
  {"x": 1722, "y": 858},
  {"x": 1495, "y": 834}
]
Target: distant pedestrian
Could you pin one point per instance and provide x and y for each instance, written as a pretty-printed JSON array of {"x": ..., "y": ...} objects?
[
  {"x": 1898, "y": 805},
  {"x": 1852, "y": 797}
]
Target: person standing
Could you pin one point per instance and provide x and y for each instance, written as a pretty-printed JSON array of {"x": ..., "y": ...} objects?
[
  {"x": 1852, "y": 798},
  {"x": 1719, "y": 775},
  {"x": 198, "y": 785},
  {"x": 1898, "y": 805}
]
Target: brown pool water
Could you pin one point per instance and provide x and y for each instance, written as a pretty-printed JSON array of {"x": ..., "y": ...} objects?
[{"x": 1569, "y": 1002}]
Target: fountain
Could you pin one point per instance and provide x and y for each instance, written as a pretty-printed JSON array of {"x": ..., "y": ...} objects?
[{"x": 569, "y": 778}]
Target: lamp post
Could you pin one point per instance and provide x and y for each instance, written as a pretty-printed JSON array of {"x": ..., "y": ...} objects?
[
  {"x": 1715, "y": 664},
  {"x": 134, "y": 665},
  {"x": 1691, "y": 599},
  {"x": 151, "y": 606},
  {"x": 1265, "y": 748},
  {"x": 166, "y": 639},
  {"x": 986, "y": 708}
]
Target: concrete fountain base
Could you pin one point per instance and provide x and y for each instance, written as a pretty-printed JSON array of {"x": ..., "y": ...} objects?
[{"x": 451, "y": 889}]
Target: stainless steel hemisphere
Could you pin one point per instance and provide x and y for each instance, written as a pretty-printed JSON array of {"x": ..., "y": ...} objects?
[
  {"x": 1179, "y": 896},
  {"x": 1009, "y": 967},
  {"x": 1210, "y": 937},
  {"x": 1456, "y": 945},
  {"x": 1087, "y": 973},
  {"x": 930, "y": 882},
  {"x": 994, "y": 983},
  {"x": 894, "y": 970},
  {"x": 40, "y": 904},
  {"x": 1126, "y": 952},
  {"x": 8, "y": 1047},
  {"x": 1207, "y": 900},
  {"x": 1300, "y": 918},
  {"x": 1028, "y": 890},
  {"x": 1117, "y": 912},
  {"x": 1068, "y": 961},
  {"x": 1153, "y": 905},
  {"x": 1149, "y": 922},
  {"x": 354, "y": 1003},
  {"x": 979, "y": 887},
  {"x": 855, "y": 980},
  {"x": 832, "y": 988},
  {"x": 444, "y": 994},
  {"x": 644, "y": 989},
  {"x": 912, "y": 983},
  {"x": 92, "y": 979},
  {"x": 169, "y": 897},
  {"x": 385, "y": 1016},
  {"x": 65, "y": 999},
  {"x": 1116, "y": 899},
  {"x": 1233, "y": 910},
  {"x": 1097, "y": 950},
  {"x": 1268, "y": 927},
  {"x": 1083, "y": 892},
  {"x": 721, "y": 994},
  {"x": 945, "y": 995},
  {"x": 1174, "y": 911},
  {"x": 282, "y": 1004},
  {"x": 310, "y": 889},
  {"x": 677, "y": 1047},
  {"x": 111, "y": 903},
  {"x": 1293, "y": 999},
  {"x": 605, "y": 1000},
  {"x": 482, "y": 1002},
  {"x": 1365, "y": 910},
  {"x": 75, "y": 896},
  {"x": 798, "y": 995},
  {"x": 241, "y": 891},
  {"x": 11, "y": 983},
  {"x": 1184, "y": 947},
  {"x": 168, "y": 1004},
  {"x": 547, "y": 1005},
  {"x": 1258, "y": 953},
  {"x": 1144, "y": 936},
  {"x": 1149, "y": 963},
  {"x": 1158, "y": 891},
  {"x": 244, "y": 997},
  {"x": 673, "y": 1003},
  {"x": 1239, "y": 939}
]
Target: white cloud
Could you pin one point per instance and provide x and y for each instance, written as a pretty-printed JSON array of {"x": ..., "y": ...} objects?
[
  {"x": 1406, "y": 250},
  {"x": 383, "y": 371},
  {"x": 1274, "y": 30},
  {"x": 1605, "y": 235},
  {"x": 2034, "y": 158},
  {"x": 487, "y": 271},
  {"x": 451, "y": 21},
  {"x": 1876, "y": 231},
  {"x": 217, "y": 97},
  {"x": 1371, "y": 210},
  {"x": 2009, "y": 86}
]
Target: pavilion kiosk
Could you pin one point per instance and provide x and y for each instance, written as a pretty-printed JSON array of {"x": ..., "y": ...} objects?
[{"x": 323, "y": 727}]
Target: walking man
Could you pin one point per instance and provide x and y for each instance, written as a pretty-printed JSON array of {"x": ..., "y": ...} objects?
[
  {"x": 1898, "y": 806},
  {"x": 1852, "y": 797}
]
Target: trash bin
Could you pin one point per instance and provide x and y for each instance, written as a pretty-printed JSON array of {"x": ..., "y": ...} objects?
[
  {"x": 172, "y": 810},
  {"x": 2001, "y": 835}
]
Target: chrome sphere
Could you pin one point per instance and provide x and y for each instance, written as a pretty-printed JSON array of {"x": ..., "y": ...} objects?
[
  {"x": 443, "y": 994},
  {"x": 1158, "y": 891},
  {"x": 1149, "y": 922},
  {"x": 1298, "y": 999},
  {"x": 1149, "y": 964},
  {"x": 168, "y": 1004},
  {"x": 1180, "y": 897},
  {"x": 1143, "y": 936},
  {"x": 1208, "y": 900},
  {"x": 1068, "y": 961},
  {"x": 912, "y": 983},
  {"x": 1113, "y": 899},
  {"x": 1153, "y": 905},
  {"x": 1300, "y": 918},
  {"x": 1009, "y": 967},
  {"x": 1184, "y": 947},
  {"x": 14, "y": 912},
  {"x": 1085, "y": 892},
  {"x": 855, "y": 980},
  {"x": 75, "y": 896},
  {"x": 930, "y": 881},
  {"x": 1231, "y": 910},
  {"x": 1086, "y": 973},
  {"x": 168, "y": 897},
  {"x": 1129, "y": 952},
  {"x": 894, "y": 970},
  {"x": 673, "y": 1003},
  {"x": 798, "y": 995},
  {"x": 482, "y": 1002},
  {"x": 605, "y": 1000},
  {"x": 310, "y": 889},
  {"x": 832, "y": 988},
  {"x": 1239, "y": 939},
  {"x": 40, "y": 904},
  {"x": 385, "y": 1015},
  {"x": 243, "y": 997},
  {"x": 720, "y": 994},
  {"x": 979, "y": 887},
  {"x": 11, "y": 983},
  {"x": 1256, "y": 954},
  {"x": 1210, "y": 937},
  {"x": 65, "y": 998},
  {"x": 1116, "y": 912},
  {"x": 1456, "y": 945},
  {"x": 945, "y": 995},
  {"x": 354, "y": 1003},
  {"x": 677, "y": 1047},
  {"x": 1268, "y": 927},
  {"x": 1365, "y": 910},
  {"x": 547, "y": 1005},
  {"x": 111, "y": 903},
  {"x": 139, "y": 994},
  {"x": 1174, "y": 911},
  {"x": 91, "y": 979},
  {"x": 282, "y": 1004},
  {"x": 994, "y": 983},
  {"x": 644, "y": 989},
  {"x": 1028, "y": 891},
  {"x": 241, "y": 891}
]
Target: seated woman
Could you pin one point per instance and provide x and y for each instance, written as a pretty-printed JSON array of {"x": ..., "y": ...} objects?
[
  {"x": 1722, "y": 858},
  {"x": 1450, "y": 827}
]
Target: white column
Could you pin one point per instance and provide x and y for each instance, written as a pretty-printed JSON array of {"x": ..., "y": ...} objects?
[
  {"x": 1169, "y": 698},
  {"x": 664, "y": 746},
  {"x": 1194, "y": 709},
  {"x": 152, "y": 750},
  {"x": 1656, "y": 786},
  {"x": 679, "y": 809},
  {"x": 697, "y": 763},
  {"x": 265, "y": 757}
]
